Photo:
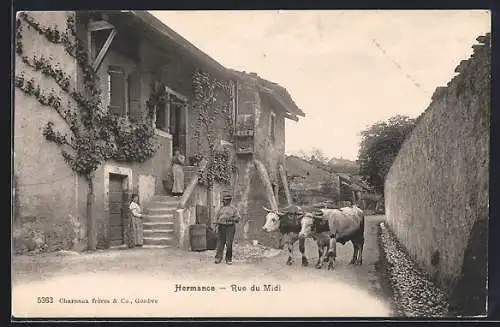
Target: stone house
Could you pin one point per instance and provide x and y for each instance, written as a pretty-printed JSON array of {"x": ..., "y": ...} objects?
[
  {"x": 137, "y": 58},
  {"x": 311, "y": 184},
  {"x": 258, "y": 148}
]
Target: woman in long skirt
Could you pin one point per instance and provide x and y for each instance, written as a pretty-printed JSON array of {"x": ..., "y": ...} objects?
[
  {"x": 178, "y": 173},
  {"x": 135, "y": 223}
]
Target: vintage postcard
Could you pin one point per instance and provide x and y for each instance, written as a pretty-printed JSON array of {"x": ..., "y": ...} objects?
[{"x": 317, "y": 163}]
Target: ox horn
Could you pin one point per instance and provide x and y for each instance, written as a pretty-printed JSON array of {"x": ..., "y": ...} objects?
[{"x": 266, "y": 209}]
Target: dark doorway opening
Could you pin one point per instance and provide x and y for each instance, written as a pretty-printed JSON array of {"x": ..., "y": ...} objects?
[{"x": 118, "y": 210}]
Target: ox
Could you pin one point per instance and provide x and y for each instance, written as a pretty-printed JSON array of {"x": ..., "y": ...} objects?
[
  {"x": 339, "y": 225},
  {"x": 289, "y": 226}
]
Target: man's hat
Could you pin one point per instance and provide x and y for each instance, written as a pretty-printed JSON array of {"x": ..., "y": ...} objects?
[{"x": 227, "y": 197}]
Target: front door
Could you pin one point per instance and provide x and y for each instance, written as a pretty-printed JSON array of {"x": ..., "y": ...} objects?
[
  {"x": 178, "y": 125},
  {"x": 118, "y": 214}
]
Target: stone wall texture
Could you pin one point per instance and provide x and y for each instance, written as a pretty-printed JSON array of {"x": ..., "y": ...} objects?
[
  {"x": 436, "y": 192},
  {"x": 44, "y": 181}
]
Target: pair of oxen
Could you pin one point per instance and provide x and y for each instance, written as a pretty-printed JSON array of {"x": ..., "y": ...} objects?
[{"x": 325, "y": 226}]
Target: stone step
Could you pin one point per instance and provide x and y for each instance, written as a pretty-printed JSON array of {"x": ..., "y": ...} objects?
[
  {"x": 158, "y": 225},
  {"x": 160, "y": 210},
  {"x": 165, "y": 216},
  {"x": 158, "y": 222},
  {"x": 156, "y": 246},
  {"x": 158, "y": 232},
  {"x": 158, "y": 240},
  {"x": 164, "y": 198},
  {"x": 163, "y": 205}
]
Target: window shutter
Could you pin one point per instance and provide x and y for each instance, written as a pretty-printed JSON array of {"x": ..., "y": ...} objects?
[
  {"x": 134, "y": 96},
  {"x": 117, "y": 91}
]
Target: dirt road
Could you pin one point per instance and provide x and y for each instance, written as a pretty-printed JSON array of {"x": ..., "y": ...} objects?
[{"x": 157, "y": 277}]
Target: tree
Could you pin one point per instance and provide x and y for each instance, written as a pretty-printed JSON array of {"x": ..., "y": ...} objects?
[
  {"x": 380, "y": 144},
  {"x": 314, "y": 154}
]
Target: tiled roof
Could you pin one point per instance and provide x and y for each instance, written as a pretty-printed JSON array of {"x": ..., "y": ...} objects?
[{"x": 296, "y": 166}]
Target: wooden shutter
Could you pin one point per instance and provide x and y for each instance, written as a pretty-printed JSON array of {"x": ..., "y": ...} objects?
[
  {"x": 182, "y": 119},
  {"x": 172, "y": 110},
  {"x": 117, "y": 91},
  {"x": 134, "y": 96}
]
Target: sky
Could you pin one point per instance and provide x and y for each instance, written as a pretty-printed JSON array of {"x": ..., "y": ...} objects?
[{"x": 345, "y": 69}]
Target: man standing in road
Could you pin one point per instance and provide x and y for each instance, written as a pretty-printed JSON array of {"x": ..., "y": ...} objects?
[{"x": 226, "y": 219}]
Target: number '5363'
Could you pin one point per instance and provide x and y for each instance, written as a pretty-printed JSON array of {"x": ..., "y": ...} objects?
[{"x": 44, "y": 299}]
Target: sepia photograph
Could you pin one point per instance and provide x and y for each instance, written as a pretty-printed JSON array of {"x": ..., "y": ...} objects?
[{"x": 250, "y": 164}]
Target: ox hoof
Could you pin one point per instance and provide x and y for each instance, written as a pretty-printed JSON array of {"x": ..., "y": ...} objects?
[
  {"x": 360, "y": 262},
  {"x": 305, "y": 263},
  {"x": 353, "y": 262},
  {"x": 289, "y": 262},
  {"x": 318, "y": 266},
  {"x": 331, "y": 266}
]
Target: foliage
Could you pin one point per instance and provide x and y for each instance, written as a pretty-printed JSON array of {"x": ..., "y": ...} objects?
[
  {"x": 207, "y": 90},
  {"x": 314, "y": 154},
  {"x": 210, "y": 108},
  {"x": 343, "y": 166},
  {"x": 96, "y": 135},
  {"x": 158, "y": 98},
  {"x": 380, "y": 144},
  {"x": 219, "y": 169},
  {"x": 195, "y": 159}
]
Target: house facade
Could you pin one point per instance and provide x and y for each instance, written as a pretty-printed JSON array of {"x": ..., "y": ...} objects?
[
  {"x": 137, "y": 58},
  {"x": 263, "y": 107}
]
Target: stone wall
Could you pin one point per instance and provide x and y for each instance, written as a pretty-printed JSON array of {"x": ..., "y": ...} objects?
[
  {"x": 436, "y": 192},
  {"x": 250, "y": 194},
  {"x": 47, "y": 196}
]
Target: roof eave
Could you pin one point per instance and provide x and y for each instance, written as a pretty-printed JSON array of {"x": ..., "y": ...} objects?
[
  {"x": 293, "y": 113},
  {"x": 154, "y": 23}
]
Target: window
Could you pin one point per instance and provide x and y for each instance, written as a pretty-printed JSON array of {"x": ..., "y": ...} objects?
[
  {"x": 272, "y": 127},
  {"x": 170, "y": 117},
  {"x": 134, "y": 84},
  {"x": 116, "y": 91}
]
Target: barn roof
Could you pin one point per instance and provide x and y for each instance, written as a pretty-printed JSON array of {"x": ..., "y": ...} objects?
[{"x": 296, "y": 166}]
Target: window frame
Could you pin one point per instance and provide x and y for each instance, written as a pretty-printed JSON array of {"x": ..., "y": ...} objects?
[
  {"x": 180, "y": 98},
  {"x": 115, "y": 69}
]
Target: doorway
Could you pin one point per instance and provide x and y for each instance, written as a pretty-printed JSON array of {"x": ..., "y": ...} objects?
[
  {"x": 118, "y": 211},
  {"x": 178, "y": 122}
]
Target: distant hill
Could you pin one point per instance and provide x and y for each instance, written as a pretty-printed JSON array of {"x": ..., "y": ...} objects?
[{"x": 344, "y": 166}]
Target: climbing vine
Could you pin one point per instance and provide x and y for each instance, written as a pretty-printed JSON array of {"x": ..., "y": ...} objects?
[
  {"x": 96, "y": 135},
  {"x": 209, "y": 108},
  {"x": 158, "y": 99}
]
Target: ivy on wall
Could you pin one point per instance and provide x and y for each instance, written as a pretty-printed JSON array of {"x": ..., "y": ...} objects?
[
  {"x": 210, "y": 108},
  {"x": 96, "y": 135},
  {"x": 158, "y": 99}
]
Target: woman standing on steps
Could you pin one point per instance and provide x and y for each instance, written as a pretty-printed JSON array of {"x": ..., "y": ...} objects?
[
  {"x": 178, "y": 173},
  {"x": 135, "y": 223}
]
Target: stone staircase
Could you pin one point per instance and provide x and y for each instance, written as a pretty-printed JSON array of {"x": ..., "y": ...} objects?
[{"x": 159, "y": 228}]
